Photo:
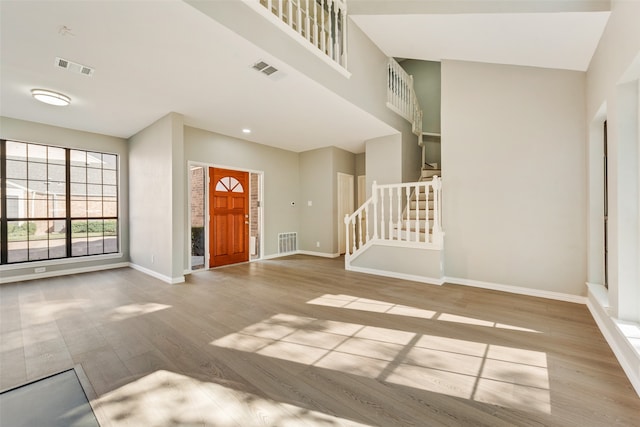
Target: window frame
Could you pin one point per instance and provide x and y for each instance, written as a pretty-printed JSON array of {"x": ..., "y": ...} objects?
[{"x": 67, "y": 218}]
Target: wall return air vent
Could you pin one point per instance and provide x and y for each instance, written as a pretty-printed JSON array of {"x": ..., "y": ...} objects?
[{"x": 74, "y": 67}]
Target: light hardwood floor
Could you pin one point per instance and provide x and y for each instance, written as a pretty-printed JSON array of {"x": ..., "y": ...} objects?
[{"x": 298, "y": 341}]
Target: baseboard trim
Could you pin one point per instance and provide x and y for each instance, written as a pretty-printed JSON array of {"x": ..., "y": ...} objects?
[
  {"x": 274, "y": 256},
  {"x": 66, "y": 272},
  {"x": 517, "y": 290},
  {"x": 148, "y": 272},
  {"x": 310, "y": 253},
  {"x": 601, "y": 321},
  {"x": 403, "y": 276},
  {"x": 320, "y": 254}
]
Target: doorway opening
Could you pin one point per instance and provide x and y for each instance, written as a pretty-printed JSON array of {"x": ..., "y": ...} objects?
[{"x": 225, "y": 216}]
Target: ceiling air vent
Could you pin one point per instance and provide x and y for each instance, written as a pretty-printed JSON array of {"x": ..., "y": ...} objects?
[
  {"x": 264, "y": 68},
  {"x": 74, "y": 66}
]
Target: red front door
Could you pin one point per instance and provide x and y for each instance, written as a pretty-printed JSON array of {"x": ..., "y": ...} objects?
[{"x": 229, "y": 223}]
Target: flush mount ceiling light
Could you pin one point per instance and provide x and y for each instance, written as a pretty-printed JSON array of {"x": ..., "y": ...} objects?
[
  {"x": 246, "y": 130},
  {"x": 50, "y": 97}
]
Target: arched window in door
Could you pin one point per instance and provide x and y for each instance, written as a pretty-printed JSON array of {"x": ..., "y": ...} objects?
[{"x": 229, "y": 183}]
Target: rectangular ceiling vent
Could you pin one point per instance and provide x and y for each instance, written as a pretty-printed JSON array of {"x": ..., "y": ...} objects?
[
  {"x": 264, "y": 68},
  {"x": 74, "y": 67}
]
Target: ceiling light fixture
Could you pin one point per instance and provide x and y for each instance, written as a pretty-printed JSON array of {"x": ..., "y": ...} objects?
[
  {"x": 246, "y": 130},
  {"x": 50, "y": 97}
]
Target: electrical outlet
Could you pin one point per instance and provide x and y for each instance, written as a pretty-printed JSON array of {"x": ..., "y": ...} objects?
[
  {"x": 317, "y": 244},
  {"x": 40, "y": 269},
  {"x": 153, "y": 259}
]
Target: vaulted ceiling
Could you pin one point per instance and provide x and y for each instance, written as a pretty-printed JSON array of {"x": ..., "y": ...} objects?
[{"x": 152, "y": 58}]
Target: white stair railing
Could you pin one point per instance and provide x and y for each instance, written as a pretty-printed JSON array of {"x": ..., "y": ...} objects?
[
  {"x": 321, "y": 22},
  {"x": 405, "y": 215},
  {"x": 402, "y": 98}
]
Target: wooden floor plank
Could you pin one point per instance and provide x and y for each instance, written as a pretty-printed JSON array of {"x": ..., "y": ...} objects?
[{"x": 300, "y": 341}]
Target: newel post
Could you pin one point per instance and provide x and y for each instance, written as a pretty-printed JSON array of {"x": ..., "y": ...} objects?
[{"x": 438, "y": 236}]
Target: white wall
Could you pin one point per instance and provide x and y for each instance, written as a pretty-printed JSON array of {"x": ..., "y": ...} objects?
[
  {"x": 20, "y": 130},
  {"x": 316, "y": 221},
  {"x": 426, "y": 80},
  {"x": 611, "y": 79},
  {"x": 365, "y": 87},
  {"x": 514, "y": 192},
  {"x": 318, "y": 184},
  {"x": 281, "y": 177},
  {"x": 613, "y": 93},
  {"x": 383, "y": 161},
  {"x": 421, "y": 265},
  {"x": 155, "y": 201}
]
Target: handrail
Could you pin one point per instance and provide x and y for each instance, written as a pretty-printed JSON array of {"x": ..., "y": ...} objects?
[
  {"x": 323, "y": 23},
  {"x": 401, "y": 95},
  {"x": 402, "y": 99},
  {"x": 398, "y": 215}
]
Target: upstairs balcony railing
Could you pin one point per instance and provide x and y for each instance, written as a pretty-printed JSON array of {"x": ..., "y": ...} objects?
[
  {"x": 402, "y": 99},
  {"x": 321, "y": 22},
  {"x": 401, "y": 95}
]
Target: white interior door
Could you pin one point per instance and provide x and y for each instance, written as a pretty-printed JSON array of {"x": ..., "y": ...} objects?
[{"x": 345, "y": 206}]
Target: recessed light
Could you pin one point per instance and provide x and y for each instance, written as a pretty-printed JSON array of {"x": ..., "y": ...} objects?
[
  {"x": 50, "y": 97},
  {"x": 246, "y": 130}
]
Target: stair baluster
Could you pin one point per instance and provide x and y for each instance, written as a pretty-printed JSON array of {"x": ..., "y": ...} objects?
[
  {"x": 399, "y": 223},
  {"x": 407, "y": 224},
  {"x": 396, "y": 232},
  {"x": 390, "y": 213},
  {"x": 374, "y": 197},
  {"x": 382, "y": 225},
  {"x": 359, "y": 231}
]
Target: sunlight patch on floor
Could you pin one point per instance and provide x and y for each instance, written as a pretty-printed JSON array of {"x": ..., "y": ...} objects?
[
  {"x": 376, "y": 306},
  {"x": 165, "y": 398},
  {"x": 38, "y": 312},
  {"x": 133, "y": 310},
  {"x": 507, "y": 376},
  {"x": 365, "y": 304}
]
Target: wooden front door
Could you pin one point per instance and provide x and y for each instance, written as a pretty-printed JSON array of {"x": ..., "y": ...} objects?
[{"x": 229, "y": 217}]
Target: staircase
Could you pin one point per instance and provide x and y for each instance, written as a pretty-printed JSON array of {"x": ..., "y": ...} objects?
[
  {"x": 420, "y": 207},
  {"x": 398, "y": 231}
]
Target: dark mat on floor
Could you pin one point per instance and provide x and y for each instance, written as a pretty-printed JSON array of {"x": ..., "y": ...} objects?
[{"x": 58, "y": 400}]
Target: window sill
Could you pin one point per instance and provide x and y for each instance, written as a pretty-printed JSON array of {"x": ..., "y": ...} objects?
[{"x": 61, "y": 261}]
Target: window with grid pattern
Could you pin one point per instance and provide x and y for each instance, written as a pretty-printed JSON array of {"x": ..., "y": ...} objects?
[{"x": 56, "y": 202}]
